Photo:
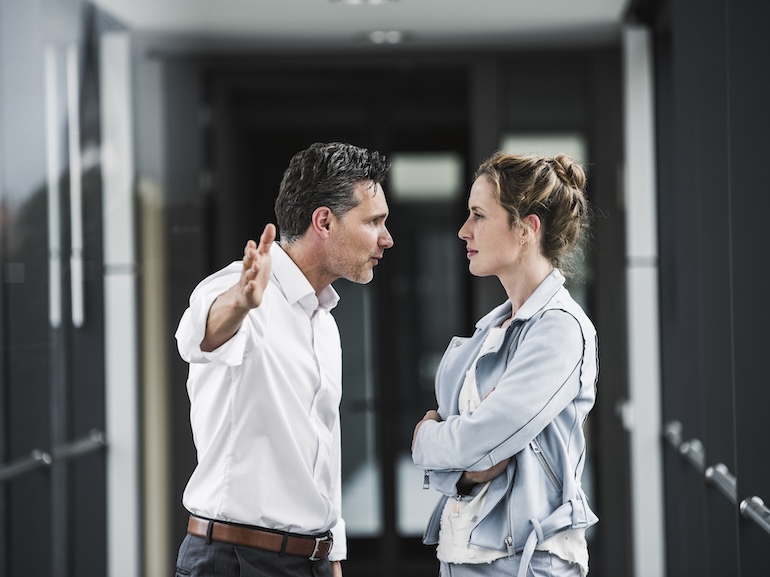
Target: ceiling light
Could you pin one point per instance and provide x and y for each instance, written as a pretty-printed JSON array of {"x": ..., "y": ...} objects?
[
  {"x": 362, "y": 2},
  {"x": 386, "y": 36}
]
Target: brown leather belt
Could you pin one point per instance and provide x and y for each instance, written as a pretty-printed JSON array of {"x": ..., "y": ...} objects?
[{"x": 314, "y": 548}]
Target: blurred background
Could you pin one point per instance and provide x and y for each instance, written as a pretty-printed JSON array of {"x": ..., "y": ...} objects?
[{"x": 142, "y": 143}]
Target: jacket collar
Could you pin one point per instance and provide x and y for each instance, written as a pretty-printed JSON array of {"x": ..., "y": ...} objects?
[{"x": 542, "y": 295}]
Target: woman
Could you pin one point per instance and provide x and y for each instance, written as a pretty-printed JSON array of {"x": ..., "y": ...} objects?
[{"x": 506, "y": 447}]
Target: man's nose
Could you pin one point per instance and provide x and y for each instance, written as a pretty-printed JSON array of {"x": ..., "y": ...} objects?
[{"x": 388, "y": 240}]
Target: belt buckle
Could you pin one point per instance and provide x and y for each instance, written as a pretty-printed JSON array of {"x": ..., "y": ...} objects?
[{"x": 318, "y": 541}]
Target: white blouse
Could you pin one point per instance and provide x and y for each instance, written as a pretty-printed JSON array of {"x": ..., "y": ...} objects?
[{"x": 461, "y": 513}]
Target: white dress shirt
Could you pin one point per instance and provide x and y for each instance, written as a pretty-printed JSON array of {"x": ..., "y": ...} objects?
[{"x": 264, "y": 407}]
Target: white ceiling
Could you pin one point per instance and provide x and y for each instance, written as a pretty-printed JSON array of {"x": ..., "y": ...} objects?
[{"x": 330, "y": 23}]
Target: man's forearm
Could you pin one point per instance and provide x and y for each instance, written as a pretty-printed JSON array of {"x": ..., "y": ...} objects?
[{"x": 224, "y": 319}]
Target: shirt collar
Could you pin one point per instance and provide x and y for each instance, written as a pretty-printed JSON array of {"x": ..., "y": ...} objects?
[{"x": 295, "y": 286}]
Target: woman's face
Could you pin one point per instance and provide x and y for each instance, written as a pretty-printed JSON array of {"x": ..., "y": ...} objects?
[{"x": 493, "y": 246}]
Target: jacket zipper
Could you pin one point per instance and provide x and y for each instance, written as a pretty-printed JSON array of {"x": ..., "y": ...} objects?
[
  {"x": 546, "y": 466},
  {"x": 426, "y": 480},
  {"x": 509, "y": 538}
]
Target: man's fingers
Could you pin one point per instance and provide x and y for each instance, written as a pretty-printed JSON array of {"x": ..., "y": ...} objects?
[
  {"x": 267, "y": 238},
  {"x": 249, "y": 254},
  {"x": 249, "y": 251}
]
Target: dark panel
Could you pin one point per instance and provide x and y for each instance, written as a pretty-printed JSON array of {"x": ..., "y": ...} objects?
[
  {"x": 671, "y": 399},
  {"x": 261, "y": 118},
  {"x": 711, "y": 148},
  {"x": 712, "y": 104},
  {"x": 27, "y": 403},
  {"x": 749, "y": 86},
  {"x": 547, "y": 90},
  {"x": 189, "y": 258},
  {"x": 680, "y": 299},
  {"x": 29, "y": 541},
  {"x": 611, "y": 546},
  {"x": 85, "y": 523},
  {"x": 88, "y": 504}
]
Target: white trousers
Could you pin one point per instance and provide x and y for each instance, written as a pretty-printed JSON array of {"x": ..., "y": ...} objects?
[{"x": 543, "y": 564}]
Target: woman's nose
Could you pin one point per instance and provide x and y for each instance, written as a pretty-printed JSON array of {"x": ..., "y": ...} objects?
[{"x": 463, "y": 232}]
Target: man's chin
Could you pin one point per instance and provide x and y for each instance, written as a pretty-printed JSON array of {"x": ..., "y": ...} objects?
[{"x": 362, "y": 278}]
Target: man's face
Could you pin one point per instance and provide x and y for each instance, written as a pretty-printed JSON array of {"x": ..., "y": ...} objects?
[{"x": 360, "y": 237}]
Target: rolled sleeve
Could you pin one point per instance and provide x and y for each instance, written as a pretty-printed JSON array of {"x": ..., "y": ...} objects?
[{"x": 192, "y": 326}]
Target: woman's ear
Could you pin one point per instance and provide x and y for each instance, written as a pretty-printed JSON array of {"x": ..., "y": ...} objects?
[
  {"x": 533, "y": 224},
  {"x": 322, "y": 221}
]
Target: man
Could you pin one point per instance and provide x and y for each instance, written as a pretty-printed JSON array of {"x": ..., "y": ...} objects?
[{"x": 265, "y": 375}]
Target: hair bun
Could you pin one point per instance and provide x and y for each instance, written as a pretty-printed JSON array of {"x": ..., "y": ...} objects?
[{"x": 569, "y": 172}]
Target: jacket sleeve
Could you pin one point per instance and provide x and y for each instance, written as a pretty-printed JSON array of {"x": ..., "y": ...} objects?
[
  {"x": 445, "y": 482},
  {"x": 540, "y": 380}
]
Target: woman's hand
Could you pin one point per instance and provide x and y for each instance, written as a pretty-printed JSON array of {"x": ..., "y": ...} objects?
[
  {"x": 429, "y": 416},
  {"x": 471, "y": 478}
]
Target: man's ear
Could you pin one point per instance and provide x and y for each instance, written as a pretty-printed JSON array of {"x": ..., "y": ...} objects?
[{"x": 322, "y": 221}]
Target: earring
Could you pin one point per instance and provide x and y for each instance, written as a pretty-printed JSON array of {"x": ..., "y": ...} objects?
[{"x": 522, "y": 241}]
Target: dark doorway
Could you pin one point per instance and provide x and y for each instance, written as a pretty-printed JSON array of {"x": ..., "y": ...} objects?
[{"x": 257, "y": 117}]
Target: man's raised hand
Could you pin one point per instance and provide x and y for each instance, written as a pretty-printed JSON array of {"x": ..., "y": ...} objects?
[
  {"x": 256, "y": 268},
  {"x": 230, "y": 308}
]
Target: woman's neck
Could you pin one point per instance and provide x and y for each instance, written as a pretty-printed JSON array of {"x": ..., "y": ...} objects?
[{"x": 521, "y": 285}]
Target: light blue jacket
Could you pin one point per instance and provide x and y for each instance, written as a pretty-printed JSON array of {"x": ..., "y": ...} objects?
[{"x": 541, "y": 384}]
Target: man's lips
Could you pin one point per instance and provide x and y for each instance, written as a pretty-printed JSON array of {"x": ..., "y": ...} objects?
[{"x": 470, "y": 252}]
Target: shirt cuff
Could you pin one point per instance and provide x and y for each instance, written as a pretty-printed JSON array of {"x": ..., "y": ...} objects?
[{"x": 339, "y": 550}]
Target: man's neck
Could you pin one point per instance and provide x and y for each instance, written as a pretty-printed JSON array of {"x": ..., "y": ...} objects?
[{"x": 309, "y": 259}]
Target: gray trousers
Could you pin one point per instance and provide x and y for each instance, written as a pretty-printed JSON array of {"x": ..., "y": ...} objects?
[
  {"x": 200, "y": 559},
  {"x": 543, "y": 565}
]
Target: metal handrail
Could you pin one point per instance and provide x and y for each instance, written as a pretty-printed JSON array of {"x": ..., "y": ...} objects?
[
  {"x": 695, "y": 452},
  {"x": 692, "y": 449},
  {"x": 35, "y": 460},
  {"x": 754, "y": 508},
  {"x": 38, "y": 458},
  {"x": 93, "y": 442},
  {"x": 673, "y": 433},
  {"x": 724, "y": 480}
]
